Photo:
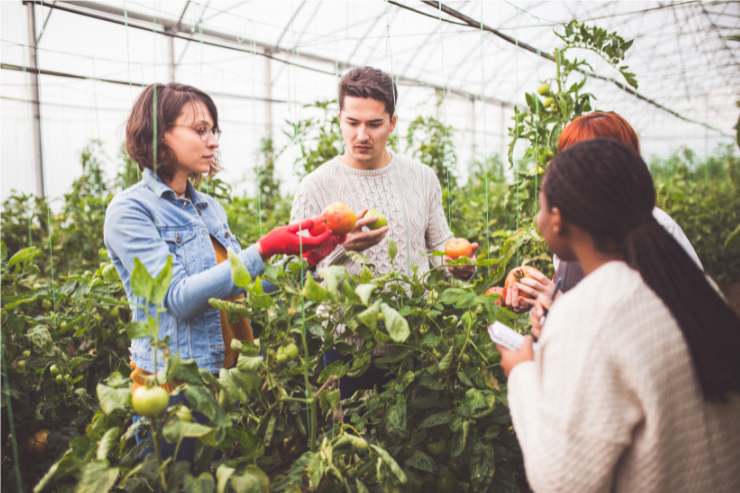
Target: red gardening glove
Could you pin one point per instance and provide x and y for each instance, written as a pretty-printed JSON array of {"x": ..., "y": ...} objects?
[
  {"x": 316, "y": 255},
  {"x": 285, "y": 239}
]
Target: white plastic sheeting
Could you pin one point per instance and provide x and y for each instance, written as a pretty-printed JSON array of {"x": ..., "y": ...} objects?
[{"x": 682, "y": 55}]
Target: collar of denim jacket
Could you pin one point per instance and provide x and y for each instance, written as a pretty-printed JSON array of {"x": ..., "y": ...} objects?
[{"x": 156, "y": 184}]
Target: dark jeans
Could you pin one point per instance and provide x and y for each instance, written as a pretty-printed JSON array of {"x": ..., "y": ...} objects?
[{"x": 349, "y": 385}]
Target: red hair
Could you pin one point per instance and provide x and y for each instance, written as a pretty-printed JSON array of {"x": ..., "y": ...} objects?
[{"x": 596, "y": 125}]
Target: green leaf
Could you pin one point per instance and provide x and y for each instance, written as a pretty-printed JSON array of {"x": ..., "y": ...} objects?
[
  {"x": 482, "y": 466},
  {"x": 161, "y": 283},
  {"x": 332, "y": 276},
  {"x": 24, "y": 255},
  {"x": 113, "y": 399},
  {"x": 204, "y": 483},
  {"x": 395, "y": 324},
  {"x": 421, "y": 461},
  {"x": 460, "y": 439},
  {"x": 396, "y": 418},
  {"x": 239, "y": 274},
  {"x": 223, "y": 474},
  {"x": 385, "y": 458},
  {"x": 249, "y": 363},
  {"x": 176, "y": 429},
  {"x": 202, "y": 400},
  {"x": 477, "y": 403},
  {"x": 313, "y": 291},
  {"x": 251, "y": 480},
  {"x": 732, "y": 238},
  {"x": 337, "y": 369},
  {"x": 436, "y": 419},
  {"x": 182, "y": 371},
  {"x": 444, "y": 364},
  {"x": 97, "y": 477},
  {"x": 141, "y": 281},
  {"x": 364, "y": 291},
  {"x": 360, "y": 364},
  {"x": 107, "y": 442},
  {"x": 392, "y": 250},
  {"x": 232, "y": 390},
  {"x": 369, "y": 316},
  {"x": 314, "y": 469}
]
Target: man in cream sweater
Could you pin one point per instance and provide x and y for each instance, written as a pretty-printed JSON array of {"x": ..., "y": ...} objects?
[{"x": 368, "y": 176}]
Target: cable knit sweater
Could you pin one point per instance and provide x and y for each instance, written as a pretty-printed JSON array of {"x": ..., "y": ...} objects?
[
  {"x": 612, "y": 403},
  {"x": 407, "y": 192}
]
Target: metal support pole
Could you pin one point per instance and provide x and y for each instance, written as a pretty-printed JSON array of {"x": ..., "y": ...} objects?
[
  {"x": 473, "y": 131},
  {"x": 502, "y": 136},
  {"x": 268, "y": 95},
  {"x": 171, "y": 49},
  {"x": 35, "y": 101}
]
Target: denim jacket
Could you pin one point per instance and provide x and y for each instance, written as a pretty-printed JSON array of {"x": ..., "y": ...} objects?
[{"x": 147, "y": 221}]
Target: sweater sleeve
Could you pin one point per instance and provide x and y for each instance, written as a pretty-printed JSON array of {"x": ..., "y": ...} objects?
[{"x": 572, "y": 411}]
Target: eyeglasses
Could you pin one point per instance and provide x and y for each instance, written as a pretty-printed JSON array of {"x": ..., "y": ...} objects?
[{"x": 203, "y": 132}]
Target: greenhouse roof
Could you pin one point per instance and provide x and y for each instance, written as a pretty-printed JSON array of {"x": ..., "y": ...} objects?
[{"x": 479, "y": 56}]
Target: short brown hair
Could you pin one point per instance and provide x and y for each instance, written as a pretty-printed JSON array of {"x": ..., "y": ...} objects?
[
  {"x": 170, "y": 99},
  {"x": 369, "y": 82}
]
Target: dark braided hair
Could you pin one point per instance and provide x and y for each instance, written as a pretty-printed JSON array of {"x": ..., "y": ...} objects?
[{"x": 603, "y": 187}]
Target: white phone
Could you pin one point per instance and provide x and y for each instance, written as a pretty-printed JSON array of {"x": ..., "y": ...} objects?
[{"x": 506, "y": 336}]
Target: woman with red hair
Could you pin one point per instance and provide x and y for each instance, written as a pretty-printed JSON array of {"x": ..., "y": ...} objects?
[{"x": 585, "y": 127}]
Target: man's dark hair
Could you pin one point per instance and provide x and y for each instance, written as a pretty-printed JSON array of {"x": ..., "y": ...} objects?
[
  {"x": 605, "y": 188},
  {"x": 369, "y": 82}
]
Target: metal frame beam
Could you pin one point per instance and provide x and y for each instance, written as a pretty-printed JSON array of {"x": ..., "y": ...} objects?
[{"x": 38, "y": 154}]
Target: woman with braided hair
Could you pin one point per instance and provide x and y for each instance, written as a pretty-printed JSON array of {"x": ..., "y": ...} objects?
[
  {"x": 537, "y": 292},
  {"x": 635, "y": 385}
]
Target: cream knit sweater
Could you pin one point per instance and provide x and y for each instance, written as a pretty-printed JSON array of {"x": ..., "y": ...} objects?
[
  {"x": 407, "y": 192},
  {"x": 611, "y": 401}
]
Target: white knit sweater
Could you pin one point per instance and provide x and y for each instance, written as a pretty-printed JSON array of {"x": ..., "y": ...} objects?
[
  {"x": 407, "y": 192},
  {"x": 611, "y": 401}
]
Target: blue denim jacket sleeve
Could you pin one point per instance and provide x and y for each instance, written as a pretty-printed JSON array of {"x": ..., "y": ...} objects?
[{"x": 130, "y": 233}]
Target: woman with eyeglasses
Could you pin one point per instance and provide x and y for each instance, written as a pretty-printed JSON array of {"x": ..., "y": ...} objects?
[
  {"x": 635, "y": 385},
  {"x": 172, "y": 133}
]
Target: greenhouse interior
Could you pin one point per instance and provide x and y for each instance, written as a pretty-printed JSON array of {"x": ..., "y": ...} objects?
[{"x": 312, "y": 245}]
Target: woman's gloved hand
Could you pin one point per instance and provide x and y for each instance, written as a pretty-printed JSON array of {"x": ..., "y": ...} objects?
[
  {"x": 287, "y": 240},
  {"x": 316, "y": 255}
]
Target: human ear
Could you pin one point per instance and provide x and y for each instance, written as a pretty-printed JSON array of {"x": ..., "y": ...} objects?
[{"x": 394, "y": 120}]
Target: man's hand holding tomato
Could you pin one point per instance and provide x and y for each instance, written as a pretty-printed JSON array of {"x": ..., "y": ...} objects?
[
  {"x": 456, "y": 248},
  {"x": 358, "y": 240}
]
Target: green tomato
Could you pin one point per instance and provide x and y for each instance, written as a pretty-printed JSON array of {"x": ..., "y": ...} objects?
[
  {"x": 54, "y": 369},
  {"x": 380, "y": 221},
  {"x": 183, "y": 414},
  {"x": 253, "y": 474},
  {"x": 150, "y": 401},
  {"x": 59, "y": 379},
  {"x": 21, "y": 365},
  {"x": 46, "y": 305},
  {"x": 287, "y": 352},
  {"x": 543, "y": 89},
  {"x": 26, "y": 353},
  {"x": 548, "y": 102}
]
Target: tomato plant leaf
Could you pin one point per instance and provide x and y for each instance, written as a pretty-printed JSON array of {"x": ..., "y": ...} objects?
[
  {"x": 239, "y": 274},
  {"x": 395, "y": 324},
  {"x": 97, "y": 477},
  {"x": 364, "y": 291}
]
